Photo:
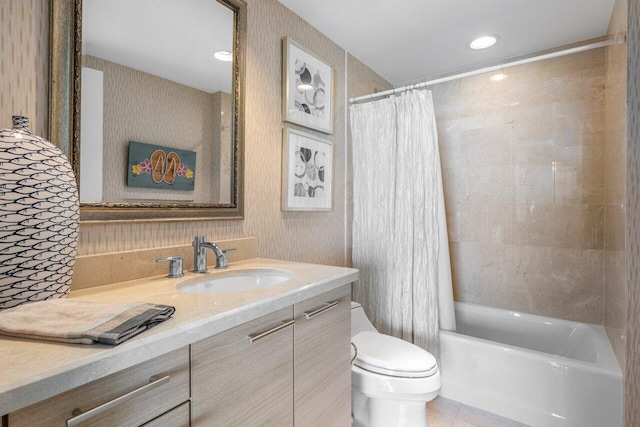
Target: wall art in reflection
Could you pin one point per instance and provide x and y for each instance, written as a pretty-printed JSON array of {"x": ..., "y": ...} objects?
[{"x": 155, "y": 166}]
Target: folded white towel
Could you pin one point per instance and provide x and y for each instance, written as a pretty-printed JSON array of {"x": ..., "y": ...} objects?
[{"x": 81, "y": 322}]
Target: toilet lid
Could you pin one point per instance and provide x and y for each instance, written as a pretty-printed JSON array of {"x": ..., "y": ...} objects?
[{"x": 392, "y": 356}]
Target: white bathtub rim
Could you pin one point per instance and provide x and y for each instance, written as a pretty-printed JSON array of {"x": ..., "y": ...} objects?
[
  {"x": 602, "y": 367},
  {"x": 608, "y": 362},
  {"x": 524, "y": 315}
]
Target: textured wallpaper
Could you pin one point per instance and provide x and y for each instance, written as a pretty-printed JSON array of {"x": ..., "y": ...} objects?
[{"x": 24, "y": 62}]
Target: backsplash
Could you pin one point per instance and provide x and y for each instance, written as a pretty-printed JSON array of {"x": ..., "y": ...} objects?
[{"x": 103, "y": 269}]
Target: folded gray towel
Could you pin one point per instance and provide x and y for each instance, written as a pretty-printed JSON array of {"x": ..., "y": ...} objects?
[{"x": 81, "y": 322}]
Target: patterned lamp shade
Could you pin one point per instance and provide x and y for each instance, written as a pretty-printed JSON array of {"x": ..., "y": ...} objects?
[{"x": 38, "y": 218}]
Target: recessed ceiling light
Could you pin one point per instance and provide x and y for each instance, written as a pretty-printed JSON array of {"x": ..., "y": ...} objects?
[
  {"x": 498, "y": 77},
  {"x": 224, "y": 55},
  {"x": 483, "y": 42}
]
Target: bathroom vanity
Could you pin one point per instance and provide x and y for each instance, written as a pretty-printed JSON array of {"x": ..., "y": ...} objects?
[{"x": 277, "y": 355}]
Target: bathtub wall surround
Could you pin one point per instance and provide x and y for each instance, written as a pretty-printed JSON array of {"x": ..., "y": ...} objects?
[
  {"x": 106, "y": 268},
  {"x": 615, "y": 184},
  {"x": 312, "y": 237},
  {"x": 522, "y": 166}
]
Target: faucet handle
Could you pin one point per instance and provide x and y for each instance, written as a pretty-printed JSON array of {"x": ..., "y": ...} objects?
[
  {"x": 222, "y": 261},
  {"x": 175, "y": 265}
]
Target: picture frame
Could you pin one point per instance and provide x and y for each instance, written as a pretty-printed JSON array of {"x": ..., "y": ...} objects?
[
  {"x": 308, "y": 88},
  {"x": 158, "y": 166},
  {"x": 307, "y": 172}
]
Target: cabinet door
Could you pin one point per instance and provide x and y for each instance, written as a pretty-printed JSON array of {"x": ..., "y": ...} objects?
[
  {"x": 322, "y": 360},
  {"x": 177, "y": 417},
  {"x": 237, "y": 382},
  {"x": 127, "y": 398}
]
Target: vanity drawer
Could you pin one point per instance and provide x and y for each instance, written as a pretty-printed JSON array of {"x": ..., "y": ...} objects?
[{"x": 128, "y": 398}]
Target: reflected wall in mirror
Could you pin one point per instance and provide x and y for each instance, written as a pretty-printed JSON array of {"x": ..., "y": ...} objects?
[{"x": 162, "y": 72}]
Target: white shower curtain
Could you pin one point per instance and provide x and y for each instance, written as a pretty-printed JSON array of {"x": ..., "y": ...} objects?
[{"x": 399, "y": 227}]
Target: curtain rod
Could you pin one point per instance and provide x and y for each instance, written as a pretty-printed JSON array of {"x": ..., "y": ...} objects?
[{"x": 608, "y": 42}]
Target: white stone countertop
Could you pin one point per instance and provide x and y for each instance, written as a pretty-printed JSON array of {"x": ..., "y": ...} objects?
[{"x": 31, "y": 371}]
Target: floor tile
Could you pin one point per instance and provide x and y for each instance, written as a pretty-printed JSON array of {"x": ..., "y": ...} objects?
[
  {"x": 472, "y": 417},
  {"x": 444, "y": 406}
]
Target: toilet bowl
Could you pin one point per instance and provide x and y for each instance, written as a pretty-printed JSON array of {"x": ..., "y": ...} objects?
[{"x": 391, "y": 380}]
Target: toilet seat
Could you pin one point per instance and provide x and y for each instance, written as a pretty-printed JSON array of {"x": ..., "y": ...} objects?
[{"x": 387, "y": 355}]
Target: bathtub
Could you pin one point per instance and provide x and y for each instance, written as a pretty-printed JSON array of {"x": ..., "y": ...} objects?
[{"x": 536, "y": 370}]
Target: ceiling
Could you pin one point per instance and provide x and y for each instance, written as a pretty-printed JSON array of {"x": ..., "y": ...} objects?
[
  {"x": 411, "y": 40},
  {"x": 172, "y": 39}
]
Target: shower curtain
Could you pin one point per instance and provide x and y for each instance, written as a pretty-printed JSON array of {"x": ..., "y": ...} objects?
[{"x": 400, "y": 240}]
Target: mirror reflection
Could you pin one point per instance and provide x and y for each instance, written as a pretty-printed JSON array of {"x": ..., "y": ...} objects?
[{"x": 157, "y": 102}]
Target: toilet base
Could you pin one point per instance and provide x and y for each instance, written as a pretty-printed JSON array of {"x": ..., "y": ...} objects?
[{"x": 376, "y": 412}]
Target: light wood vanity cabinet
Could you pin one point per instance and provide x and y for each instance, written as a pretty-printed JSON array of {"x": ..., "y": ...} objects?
[
  {"x": 177, "y": 417},
  {"x": 298, "y": 375},
  {"x": 290, "y": 367},
  {"x": 135, "y": 395}
]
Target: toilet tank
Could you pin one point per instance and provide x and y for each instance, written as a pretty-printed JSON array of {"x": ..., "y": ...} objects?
[{"x": 359, "y": 320}]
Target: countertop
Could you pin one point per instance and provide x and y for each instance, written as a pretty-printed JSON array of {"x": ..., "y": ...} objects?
[{"x": 32, "y": 370}]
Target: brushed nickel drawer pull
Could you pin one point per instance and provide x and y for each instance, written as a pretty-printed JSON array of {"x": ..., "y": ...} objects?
[
  {"x": 325, "y": 307},
  {"x": 80, "y": 417},
  {"x": 255, "y": 337}
]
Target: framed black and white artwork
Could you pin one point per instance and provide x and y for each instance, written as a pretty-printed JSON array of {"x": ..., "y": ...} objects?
[
  {"x": 307, "y": 88},
  {"x": 307, "y": 172}
]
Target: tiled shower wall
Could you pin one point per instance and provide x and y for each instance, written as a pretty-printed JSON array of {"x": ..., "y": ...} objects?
[
  {"x": 615, "y": 184},
  {"x": 522, "y": 165}
]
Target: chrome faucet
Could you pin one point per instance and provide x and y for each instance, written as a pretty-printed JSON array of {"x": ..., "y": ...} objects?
[{"x": 200, "y": 246}]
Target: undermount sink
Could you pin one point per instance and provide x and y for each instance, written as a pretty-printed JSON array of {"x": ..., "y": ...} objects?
[{"x": 235, "y": 281}]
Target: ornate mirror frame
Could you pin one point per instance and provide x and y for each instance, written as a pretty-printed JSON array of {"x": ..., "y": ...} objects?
[{"x": 64, "y": 119}]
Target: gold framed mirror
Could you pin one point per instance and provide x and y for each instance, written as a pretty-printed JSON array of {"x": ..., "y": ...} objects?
[{"x": 218, "y": 193}]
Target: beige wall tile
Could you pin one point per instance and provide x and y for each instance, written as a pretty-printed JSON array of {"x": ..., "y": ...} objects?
[
  {"x": 523, "y": 177},
  {"x": 534, "y": 183}
]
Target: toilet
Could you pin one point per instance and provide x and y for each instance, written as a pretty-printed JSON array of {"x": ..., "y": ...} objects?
[{"x": 391, "y": 380}]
